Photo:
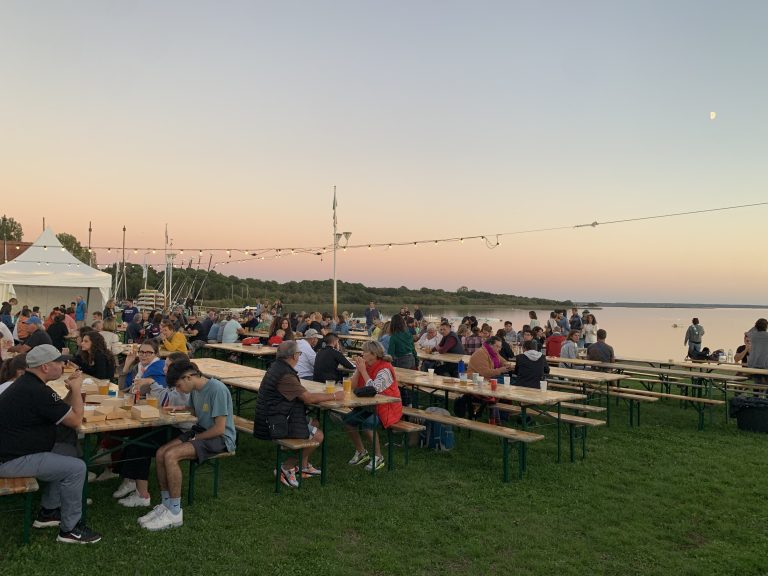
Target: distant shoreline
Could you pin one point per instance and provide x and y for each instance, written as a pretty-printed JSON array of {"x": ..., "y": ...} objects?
[{"x": 673, "y": 305}]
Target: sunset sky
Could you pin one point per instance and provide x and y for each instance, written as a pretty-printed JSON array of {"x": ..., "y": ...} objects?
[{"x": 232, "y": 121}]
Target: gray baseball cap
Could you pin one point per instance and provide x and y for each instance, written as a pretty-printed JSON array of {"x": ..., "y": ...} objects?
[
  {"x": 43, "y": 354},
  {"x": 311, "y": 333}
]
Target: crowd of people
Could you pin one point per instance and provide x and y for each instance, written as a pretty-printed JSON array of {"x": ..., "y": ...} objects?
[{"x": 37, "y": 428}]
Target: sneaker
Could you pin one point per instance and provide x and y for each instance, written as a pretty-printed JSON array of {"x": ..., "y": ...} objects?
[
  {"x": 359, "y": 458},
  {"x": 106, "y": 475},
  {"x": 91, "y": 477},
  {"x": 124, "y": 489},
  {"x": 379, "y": 463},
  {"x": 308, "y": 471},
  {"x": 157, "y": 510},
  {"x": 80, "y": 534},
  {"x": 134, "y": 500},
  {"x": 288, "y": 477},
  {"x": 164, "y": 520},
  {"x": 47, "y": 518}
]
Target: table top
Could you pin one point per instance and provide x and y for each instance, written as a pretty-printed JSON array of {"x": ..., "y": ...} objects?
[
  {"x": 130, "y": 424},
  {"x": 238, "y": 347},
  {"x": 519, "y": 394},
  {"x": 725, "y": 367},
  {"x": 450, "y": 358},
  {"x": 253, "y": 383},
  {"x": 221, "y": 369},
  {"x": 256, "y": 333}
]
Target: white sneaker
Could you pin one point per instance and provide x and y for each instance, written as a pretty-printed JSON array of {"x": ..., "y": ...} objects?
[
  {"x": 165, "y": 519},
  {"x": 124, "y": 489},
  {"x": 106, "y": 475},
  {"x": 158, "y": 509},
  {"x": 378, "y": 461},
  {"x": 134, "y": 500}
]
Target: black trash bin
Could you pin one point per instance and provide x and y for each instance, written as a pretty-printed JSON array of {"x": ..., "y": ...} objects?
[{"x": 751, "y": 413}]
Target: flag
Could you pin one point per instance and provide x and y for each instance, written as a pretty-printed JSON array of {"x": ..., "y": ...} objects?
[{"x": 334, "y": 206}]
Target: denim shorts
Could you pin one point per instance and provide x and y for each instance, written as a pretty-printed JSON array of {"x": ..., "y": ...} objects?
[{"x": 362, "y": 418}]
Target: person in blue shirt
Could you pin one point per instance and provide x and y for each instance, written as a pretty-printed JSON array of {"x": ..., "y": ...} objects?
[
  {"x": 80, "y": 311},
  {"x": 129, "y": 311}
]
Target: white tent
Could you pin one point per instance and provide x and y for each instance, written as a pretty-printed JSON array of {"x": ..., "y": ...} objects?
[{"x": 47, "y": 275}]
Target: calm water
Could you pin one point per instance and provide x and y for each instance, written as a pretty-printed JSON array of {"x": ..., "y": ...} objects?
[{"x": 642, "y": 332}]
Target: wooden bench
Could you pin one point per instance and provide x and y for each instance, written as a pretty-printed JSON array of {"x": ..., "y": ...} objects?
[
  {"x": 633, "y": 400},
  {"x": 699, "y": 403},
  {"x": 193, "y": 467},
  {"x": 23, "y": 486},
  {"x": 574, "y": 422},
  {"x": 507, "y": 435},
  {"x": 282, "y": 445},
  {"x": 582, "y": 407}
]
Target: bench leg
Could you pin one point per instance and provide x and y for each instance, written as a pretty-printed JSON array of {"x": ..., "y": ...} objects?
[
  {"x": 215, "y": 478},
  {"x": 278, "y": 469},
  {"x": 583, "y": 442},
  {"x": 390, "y": 442},
  {"x": 301, "y": 460},
  {"x": 505, "y": 460},
  {"x": 406, "y": 445},
  {"x": 520, "y": 462},
  {"x": 373, "y": 449},
  {"x": 523, "y": 446},
  {"x": 324, "y": 450},
  {"x": 558, "y": 432},
  {"x": 191, "y": 487},
  {"x": 638, "y": 413},
  {"x": 27, "y": 517}
]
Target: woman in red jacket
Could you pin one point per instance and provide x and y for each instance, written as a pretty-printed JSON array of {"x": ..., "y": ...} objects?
[{"x": 374, "y": 369}]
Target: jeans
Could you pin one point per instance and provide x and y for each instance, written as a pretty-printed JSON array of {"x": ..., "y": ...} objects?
[
  {"x": 694, "y": 347},
  {"x": 64, "y": 477}
]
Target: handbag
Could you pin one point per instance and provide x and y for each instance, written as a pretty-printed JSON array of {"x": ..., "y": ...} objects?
[{"x": 365, "y": 392}]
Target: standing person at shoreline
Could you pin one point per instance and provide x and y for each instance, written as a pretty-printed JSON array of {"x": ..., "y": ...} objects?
[
  {"x": 693, "y": 336},
  {"x": 589, "y": 331},
  {"x": 418, "y": 315},
  {"x": 758, "y": 349},
  {"x": 534, "y": 321},
  {"x": 575, "y": 320},
  {"x": 371, "y": 314}
]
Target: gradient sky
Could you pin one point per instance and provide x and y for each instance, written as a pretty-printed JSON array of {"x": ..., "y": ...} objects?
[{"x": 231, "y": 121}]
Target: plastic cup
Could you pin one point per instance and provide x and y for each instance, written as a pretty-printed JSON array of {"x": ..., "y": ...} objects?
[
  {"x": 330, "y": 386},
  {"x": 463, "y": 378},
  {"x": 543, "y": 385},
  {"x": 431, "y": 372},
  {"x": 104, "y": 389},
  {"x": 151, "y": 401},
  {"x": 347, "y": 386},
  {"x": 493, "y": 384},
  {"x": 507, "y": 380}
]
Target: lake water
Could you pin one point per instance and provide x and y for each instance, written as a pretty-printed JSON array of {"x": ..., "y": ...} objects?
[{"x": 641, "y": 332}]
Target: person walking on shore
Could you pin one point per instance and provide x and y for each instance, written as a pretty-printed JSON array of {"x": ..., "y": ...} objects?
[{"x": 693, "y": 336}]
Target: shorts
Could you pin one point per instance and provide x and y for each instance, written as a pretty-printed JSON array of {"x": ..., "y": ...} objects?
[
  {"x": 205, "y": 449},
  {"x": 362, "y": 418}
]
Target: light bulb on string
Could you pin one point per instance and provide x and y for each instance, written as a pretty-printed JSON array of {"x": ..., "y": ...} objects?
[{"x": 461, "y": 240}]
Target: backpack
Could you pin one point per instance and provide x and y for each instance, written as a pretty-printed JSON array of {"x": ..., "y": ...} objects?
[
  {"x": 437, "y": 436},
  {"x": 716, "y": 355}
]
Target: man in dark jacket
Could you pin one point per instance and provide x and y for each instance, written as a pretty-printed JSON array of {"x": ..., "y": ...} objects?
[
  {"x": 281, "y": 410},
  {"x": 531, "y": 366},
  {"x": 328, "y": 360}
]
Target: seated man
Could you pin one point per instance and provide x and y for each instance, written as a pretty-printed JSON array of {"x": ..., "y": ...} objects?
[
  {"x": 449, "y": 344},
  {"x": 531, "y": 366},
  {"x": 571, "y": 350},
  {"x": 281, "y": 410},
  {"x": 36, "y": 336},
  {"x": 328, "y": 360},
  {"x": 135, "y": 330},
  {"x": 555, "y": 342},
  {"x": 306, "y": 364},
  {"x": 213, "y": 434},
  {"x": 170, "y": 339},
  {"x": 194, "y": 332},
  {"x": 29, "y": 414},
  {"x": 602, "y": 352},
  {"x": 231, "y": 331}
]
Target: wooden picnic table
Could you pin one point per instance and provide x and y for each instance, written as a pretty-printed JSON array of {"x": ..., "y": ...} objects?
[
  {"x": 436, "y": 357},
  {"x": 240, "y": 349},
  {"x": 222, "y": 369}
]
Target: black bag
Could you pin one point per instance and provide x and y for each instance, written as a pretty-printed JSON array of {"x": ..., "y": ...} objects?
[
  {"x": 278, "y": 426},
  {"x": 365, "y": 392},
  {"x": 751, "y": 413}
]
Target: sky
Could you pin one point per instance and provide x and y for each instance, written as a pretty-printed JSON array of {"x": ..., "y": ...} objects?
[{"x": 231, "y": 122}]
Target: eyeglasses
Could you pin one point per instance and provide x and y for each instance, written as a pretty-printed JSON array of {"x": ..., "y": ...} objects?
[{"x": 146, "y": 351}]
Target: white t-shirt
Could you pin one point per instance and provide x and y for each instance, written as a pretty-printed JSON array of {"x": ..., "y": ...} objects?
[
  {"x": 306, "y": 364},
  {"x": 426, "y": 342},
  {"x": 4, "y": 386}
]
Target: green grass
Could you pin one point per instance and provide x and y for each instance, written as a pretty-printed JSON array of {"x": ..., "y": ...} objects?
[{"x": 660, "y": 499}]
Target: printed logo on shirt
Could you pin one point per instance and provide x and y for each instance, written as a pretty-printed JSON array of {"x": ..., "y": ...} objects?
[
  {"x": 55, "y": 397},
  {"x": 206, "y": 408}
]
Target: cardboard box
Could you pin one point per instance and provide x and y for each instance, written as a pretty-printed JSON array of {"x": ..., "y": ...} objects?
[
  {"x": 114, "y": 401},
  {"x": 94, "y": 414},
  {"x": 144, "y": 412}
]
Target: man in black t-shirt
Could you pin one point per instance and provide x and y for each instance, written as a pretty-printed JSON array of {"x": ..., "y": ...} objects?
[
  {"x": 36, "y": 336},
  {"x": 329, "y": 359},
  {"x": 29, "y": 414},
  {"x": 195, "y": 333}
]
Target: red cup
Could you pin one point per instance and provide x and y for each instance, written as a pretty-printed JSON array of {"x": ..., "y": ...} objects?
[{"x": 494, "y": 383}]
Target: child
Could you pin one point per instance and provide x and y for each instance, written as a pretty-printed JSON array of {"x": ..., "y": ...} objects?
[{"x": 277, "y": 339}]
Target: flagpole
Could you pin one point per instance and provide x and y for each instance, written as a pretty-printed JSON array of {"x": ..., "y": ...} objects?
[{"x": 335, "y": 245}]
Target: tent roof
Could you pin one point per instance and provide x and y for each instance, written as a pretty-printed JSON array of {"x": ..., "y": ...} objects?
[{"x": 47, "y": 263}]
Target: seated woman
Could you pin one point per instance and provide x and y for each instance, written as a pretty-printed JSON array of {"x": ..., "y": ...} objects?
[
  {"x": 506, "y": 350},
  {"x": 280, "y": 323},
  {"x": 93, "y": 358},
  {"x": 171, "y": 339},
  {"x": 385, "y": 334},
  {"x": 147, "y": 375},
  {"x": 109, "y": 333},
  {"x": 488, "y": 363},
  {"x": 152, "y": 330},
  {"x": 374, "y": 368},
  {"x": 58, "y": 331},
  {"x": 134, "y": 490},
  {"x": 531, "y": 366}
]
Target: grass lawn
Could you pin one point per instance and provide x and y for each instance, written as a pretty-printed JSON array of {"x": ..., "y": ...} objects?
[{"x": 660, "y": 499}]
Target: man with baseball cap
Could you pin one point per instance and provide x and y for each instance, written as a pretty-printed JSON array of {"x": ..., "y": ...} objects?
[
  {"x": 36, "y": 336},
  {"x": 306, "y": 346},
  {"x": 29, "y": 414}
]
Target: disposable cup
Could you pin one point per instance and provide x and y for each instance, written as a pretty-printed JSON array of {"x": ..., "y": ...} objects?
[
  {"x": 104, "y": 389},
  {"x": 330, "y": 386},
  {"x": 347, "y": 386},
  {"x": 152, "y": 401},
  {"x": 543, "y": 385},
  {"x": 507, "y": 380},
  {"x": 493, "y": 384},
  {"x": 431, "y": 372}
]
